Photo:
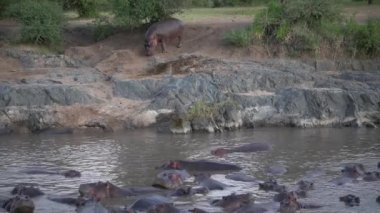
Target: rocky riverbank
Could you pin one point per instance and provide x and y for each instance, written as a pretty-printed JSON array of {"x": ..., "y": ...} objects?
[{"x": 188, "y": 93}]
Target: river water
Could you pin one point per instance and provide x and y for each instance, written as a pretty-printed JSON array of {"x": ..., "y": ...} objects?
[{"x": 129, "y": 159}]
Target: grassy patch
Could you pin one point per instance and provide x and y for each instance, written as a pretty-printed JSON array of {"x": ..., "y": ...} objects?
[{"x": 195, "y": 14}]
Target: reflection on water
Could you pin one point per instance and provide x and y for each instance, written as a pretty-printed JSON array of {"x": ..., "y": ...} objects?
[{"x": 129, "y": 159}]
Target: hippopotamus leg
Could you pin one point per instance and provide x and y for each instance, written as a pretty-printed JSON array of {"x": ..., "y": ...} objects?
[
  {"x": 163, "y": 45},
  {"x": 179, "y": 41}
]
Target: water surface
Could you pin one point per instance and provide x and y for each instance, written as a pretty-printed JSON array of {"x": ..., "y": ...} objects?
[{"x": 129, "y": 159}]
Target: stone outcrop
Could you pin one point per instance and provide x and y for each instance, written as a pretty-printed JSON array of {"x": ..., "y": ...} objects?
[{"x": 190, "y": 93}]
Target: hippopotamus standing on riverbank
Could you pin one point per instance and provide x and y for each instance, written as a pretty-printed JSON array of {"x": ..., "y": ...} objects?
[{"x": 161, "y": 32}]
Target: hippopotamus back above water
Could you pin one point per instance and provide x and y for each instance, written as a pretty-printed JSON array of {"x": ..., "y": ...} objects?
[
  {"x": 161, "y": 32},
  {"x": 200, "y": 165}
]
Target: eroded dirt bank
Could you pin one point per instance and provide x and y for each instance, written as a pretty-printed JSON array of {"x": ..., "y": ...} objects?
[{"x": 111, "y": 85}]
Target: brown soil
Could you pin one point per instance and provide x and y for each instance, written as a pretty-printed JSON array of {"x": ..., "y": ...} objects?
[{"x": 123, "y": 54}]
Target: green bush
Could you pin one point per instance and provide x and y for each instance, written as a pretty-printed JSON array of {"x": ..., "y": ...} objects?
[
  {"x": 201, "y": 110},
  {"x": 3, "y": 5},
  {"x": 103, "y": 28},
  {"x": 41, "y": 21},
  {"x": 239, "y": 38},
  {"x": 362, "y": 39},
  {"x": 85, "y": 8},
  {"x": 132, "y": 13}
]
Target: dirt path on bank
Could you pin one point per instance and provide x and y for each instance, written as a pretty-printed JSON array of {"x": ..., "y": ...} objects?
[{"x": 122, "y": 53}]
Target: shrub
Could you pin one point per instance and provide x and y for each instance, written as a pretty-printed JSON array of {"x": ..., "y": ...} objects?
[
  {"x": 239, "y": 38},
  {"x": 362, "y": 39},
  {"x": 41, "y": 21},
  {"x": 3, "y": 5},
  {"x": 85, "y": 8},
  {"x": 103, "y": 28},
  {"x": 200, "y": 110},
  {"x": 132, "y": 13}
]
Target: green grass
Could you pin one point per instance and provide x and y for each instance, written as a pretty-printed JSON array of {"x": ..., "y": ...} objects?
[{"x": 195, "y": 14}]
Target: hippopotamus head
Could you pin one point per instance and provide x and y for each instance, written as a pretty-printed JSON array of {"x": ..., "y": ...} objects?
[
  {"x": 290, "y": 203},
  {"x": 173, "y": 164},
  {"x": 353, "y": 170},
  {"x": 71, "y": 173},
  {"x": 305, "y": 185},
  {"x": 196, "y": 210},
  {"x": 219, "y": 152},
  {"x": 232, "y": 202},
  {"x": 350, "y": 200},
  {"x": 99, "y": 190},
  {"x": 19, "y": 203},
  {"x": 150, "y": 44},
  {"x": 169, "y": 179},
  {"x": 29, "y": 191},
  {"x": 163, "y": 208}
]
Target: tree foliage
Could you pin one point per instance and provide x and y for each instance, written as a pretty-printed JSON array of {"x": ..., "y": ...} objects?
[
  {"x": 134, "y": 13},
  {"x": 41, "y": 20}
]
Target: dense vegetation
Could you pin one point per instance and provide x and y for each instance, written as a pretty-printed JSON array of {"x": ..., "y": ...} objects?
[
  {"x": 298, "y": 26},
  {"x": 309, "y": 26}
]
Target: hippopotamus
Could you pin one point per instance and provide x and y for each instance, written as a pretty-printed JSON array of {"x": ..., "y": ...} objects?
[
  {"x": 238, "y": 176},
  {"x": 233, "y": 202},
  {"x": 350, "y": 200},
  {"x": 272, "y": 185},
  {"x": 149, "y": 203},
  {"x": 276, "y": 170},
  {"x": 200, "y": 165},
  {"x": 353, "y": 170},
  {"x": 259, "y": 208},
  {"x": 170, "y": 179},
  {"x": 19, "y": 204},
  {"x": 92, "y": 206},
  {"x": 162, "y": 32},
  {"x": 187, "y": 190},
  {"x": 378, "y": 165},
  {"x": 30, "y": 191},
  {"x": 371, "y": 176},
  {"x": 378, "y": 199},
  {"x": 251, "y": 147},
  {"x": 305, "y": 185},
  {"x": 291, "y": 204},
  {"x": 205, "y": 180},
  {"x": 283, "y": 195},
  {"x": 197, "y": 210},
  {"x": 104, "y": 190},
  {"x": 69, "y": 200},
  {"x": 66, "y": 173}
]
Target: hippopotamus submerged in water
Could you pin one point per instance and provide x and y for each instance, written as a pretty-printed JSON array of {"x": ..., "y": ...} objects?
[
  {"x": 350, "y": 200},
  {"x": 162, "y": 32},
  {"x": 200, "y": 165},
  {"x": 170, "y": 179},
  {"x": 19, "y": 203},
  {"x": 233, "y": 202},
  {"x": 104, "y": 190},
  {"x": 24, "y": 189},
  {"x": 251, "y": 147},
  {"x": 66, "y": 173},
  {"x": 152, "y": 203}
]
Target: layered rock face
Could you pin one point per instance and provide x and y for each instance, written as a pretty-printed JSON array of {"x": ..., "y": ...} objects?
[{"x": 190, "y": 93}]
